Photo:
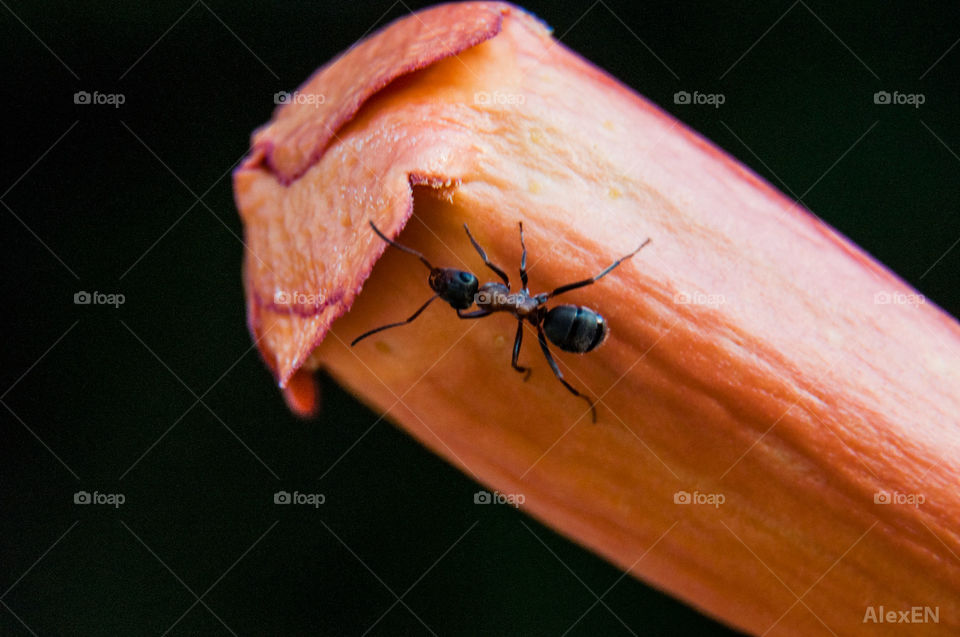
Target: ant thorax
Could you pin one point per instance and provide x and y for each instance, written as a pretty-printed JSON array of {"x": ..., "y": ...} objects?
[{"x": 497, "y": 297}]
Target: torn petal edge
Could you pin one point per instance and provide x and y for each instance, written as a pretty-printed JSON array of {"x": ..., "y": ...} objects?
[{"x": 340, "y": 303}]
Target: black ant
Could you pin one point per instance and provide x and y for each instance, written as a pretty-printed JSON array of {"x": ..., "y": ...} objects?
[{"x": 572, "y": 328}]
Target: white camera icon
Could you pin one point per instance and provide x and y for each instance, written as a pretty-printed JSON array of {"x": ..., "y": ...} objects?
[
  {"x": 881, "y": 97},
  {"x": 482, "y": 497},
  {"x": 81, "y": 97},
  {"x": 281, "y": 497},
  {"x": 681, "y": 97},
  {"x": 81, "y": 497},
  {"x": 82, "y": 298},
  {"x": 882, "y": 497},
  {"x": 681, "y": 497},
  {"x": 281, "y": 97}
]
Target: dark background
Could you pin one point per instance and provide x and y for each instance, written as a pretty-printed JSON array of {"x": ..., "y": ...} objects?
[{"x": 103, "y": 399}]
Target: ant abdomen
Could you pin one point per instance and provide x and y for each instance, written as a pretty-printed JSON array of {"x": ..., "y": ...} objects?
[{"x": 574, "y": 328}]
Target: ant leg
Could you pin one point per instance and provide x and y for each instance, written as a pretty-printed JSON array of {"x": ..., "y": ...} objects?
[
  {"x": 401, "y": 247},
  {"x": 386, "y": 327},
  {"x": 585, "y": 282},
  {"x": 474, "y": 314},
  {"x": 516, "y": 352},
  {"x": 556, "y": 372},
  {"x": 483, "y": 255},
  {"x": 523, "y": 259}
]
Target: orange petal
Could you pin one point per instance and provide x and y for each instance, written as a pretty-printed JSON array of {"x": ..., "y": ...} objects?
[
  {"x": 752, "y": 355},
  {"x": 301, "y": 394}
]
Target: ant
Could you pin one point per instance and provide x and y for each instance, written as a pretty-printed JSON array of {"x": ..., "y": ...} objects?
[{"x": 572, "y": 328}]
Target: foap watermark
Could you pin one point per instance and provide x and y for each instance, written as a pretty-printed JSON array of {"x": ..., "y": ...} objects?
[
  {"x": 295, "y": 297},
  {"x": 513, "y": 499},
  {"x": 895, "y": 497},
  {"x": 499, "y": 98},
  {"x": 912, "y": 615},
  {"x": 98, "y": 298},
  {"x": 699, "y": 298},
  {"x": 898, "y": 298},
  {"x": 498, "y": 298},
  {"x": 313, "y": 99},
  {"x": 110, "y": 499},
  {"x": 699, "y": 99},
  {"x": 99, "y": 99},
  {"x": 899, "y": 99},
  {"x": 310, "y": 499},
  {"x": 711, "y": 499}
]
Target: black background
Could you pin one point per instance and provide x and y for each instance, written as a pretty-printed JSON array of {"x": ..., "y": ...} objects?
[{"x": 99, "y": 399}]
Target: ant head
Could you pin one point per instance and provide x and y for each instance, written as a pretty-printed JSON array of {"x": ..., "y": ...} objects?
[{"x": 456, "y": 287}]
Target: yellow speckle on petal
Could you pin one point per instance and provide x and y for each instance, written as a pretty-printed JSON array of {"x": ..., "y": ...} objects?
[
  {"x": 534, "y": 187},
  {"x": 614, "y": 193}
]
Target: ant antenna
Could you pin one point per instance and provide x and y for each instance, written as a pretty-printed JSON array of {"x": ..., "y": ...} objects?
[{"x": 401, "y": 247}]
